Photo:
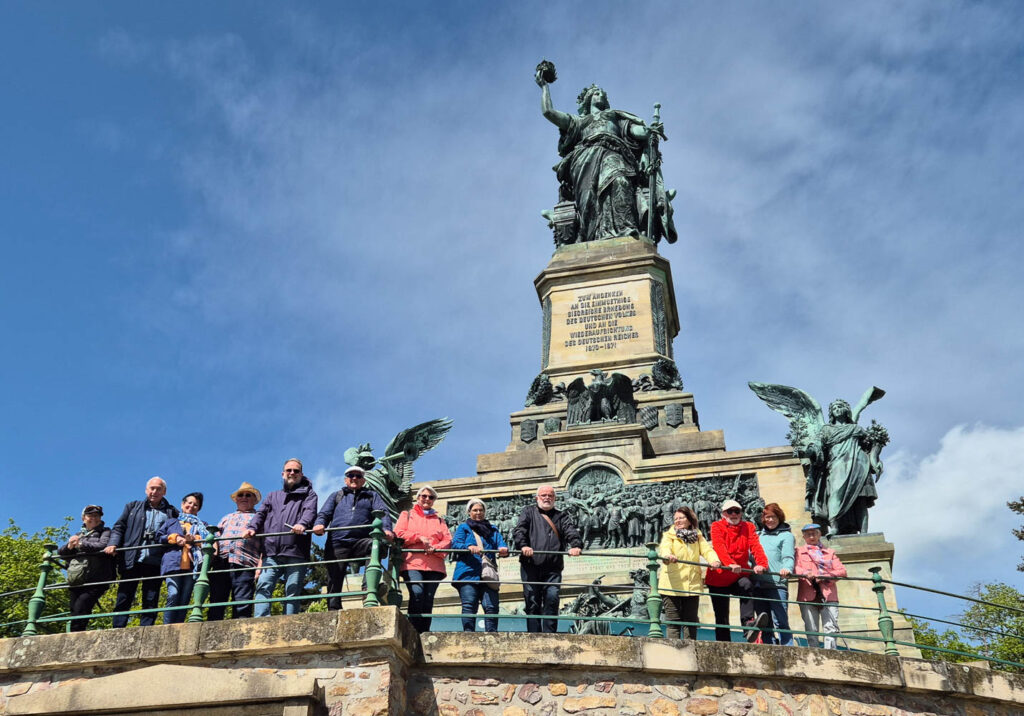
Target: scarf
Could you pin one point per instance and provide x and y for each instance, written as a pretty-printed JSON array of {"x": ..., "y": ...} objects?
[
  {"x": 198, "y": 528},
  {"x": 688, "y": 536},
  {"x": 481, "y": 527}
]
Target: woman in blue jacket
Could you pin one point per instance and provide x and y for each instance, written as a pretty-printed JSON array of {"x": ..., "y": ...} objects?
[
  {"x": 478, "y": 536},
  {"x": 180, "y": 563},
  {"x": 777, "y": 541}
]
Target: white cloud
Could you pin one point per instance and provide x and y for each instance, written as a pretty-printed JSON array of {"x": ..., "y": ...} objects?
[
  {"x": 947, "y": 514},
  {"x": 325, "y": 482}
]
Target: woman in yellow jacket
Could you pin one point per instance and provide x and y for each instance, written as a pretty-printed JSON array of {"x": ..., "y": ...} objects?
[{"x": 681, "y": 584}]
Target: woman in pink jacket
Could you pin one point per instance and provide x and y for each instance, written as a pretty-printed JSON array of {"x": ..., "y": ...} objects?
[
  {"x": 817, "y": 568},
  {"x": 422, "y": 528}
]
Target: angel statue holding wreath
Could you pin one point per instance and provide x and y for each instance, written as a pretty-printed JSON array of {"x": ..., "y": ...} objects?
[{"x": 842, "y": 458}]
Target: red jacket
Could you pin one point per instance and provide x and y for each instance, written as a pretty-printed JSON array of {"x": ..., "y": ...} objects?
[
  {"x": 733, "y": 544},
  {"x": 415, "y": 527}
]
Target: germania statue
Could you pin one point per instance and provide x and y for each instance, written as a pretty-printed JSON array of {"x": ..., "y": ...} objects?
[{"x": 610, "y": 168}]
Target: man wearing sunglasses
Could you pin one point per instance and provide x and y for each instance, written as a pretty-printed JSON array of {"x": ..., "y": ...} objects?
[
  {"x": 290, "y": 510},
  {"x": 349, "y": 513},
  {"x": 736, "y": 543}
]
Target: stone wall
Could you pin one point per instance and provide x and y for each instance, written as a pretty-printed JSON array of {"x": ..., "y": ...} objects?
[{"x": 370, "y": 662}]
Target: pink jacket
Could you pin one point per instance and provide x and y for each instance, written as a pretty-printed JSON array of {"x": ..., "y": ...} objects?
[
  {"x": 415, "y": 527},
  {"x": 829, "y": 566}
]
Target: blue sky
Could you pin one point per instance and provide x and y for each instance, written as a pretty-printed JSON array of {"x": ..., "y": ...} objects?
[{"x": 234, "y": 233}]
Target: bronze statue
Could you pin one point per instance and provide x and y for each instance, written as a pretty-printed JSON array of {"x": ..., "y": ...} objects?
[
  {"x": 610, "y": 167},
  {"x": 392, "y": 477},
  {"x": 843, "y": 458}
]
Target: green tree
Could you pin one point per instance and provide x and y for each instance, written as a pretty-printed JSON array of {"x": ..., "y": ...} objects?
[
  {"x": 926, "y": 635},
  {"x": 1007, "y": 618},
  {"x": 20, "y": 556},
  {"x": 1018, "y": 507}
]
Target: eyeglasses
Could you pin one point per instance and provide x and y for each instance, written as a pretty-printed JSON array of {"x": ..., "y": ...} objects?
[
  {"x": 428, "y": 496},
  {"x": 734, "y": 511},
  {"x": 292, "y": 469}
]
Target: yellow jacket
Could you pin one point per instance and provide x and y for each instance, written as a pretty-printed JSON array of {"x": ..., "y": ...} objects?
[{"x": 683, "y": 578}]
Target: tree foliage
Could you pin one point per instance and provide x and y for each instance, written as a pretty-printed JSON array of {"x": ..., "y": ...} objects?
[
  {"x": 1018, "y": 507},
  {"x": 1006, "y": 618},
  {"x": 21, "y": 554},
  {"x": 926, "y": 635}
]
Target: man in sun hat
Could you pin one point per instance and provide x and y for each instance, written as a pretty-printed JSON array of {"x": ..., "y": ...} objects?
[{"x": 236, "y": 552}]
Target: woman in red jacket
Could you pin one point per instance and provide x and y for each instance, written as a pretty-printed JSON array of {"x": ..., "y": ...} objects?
[
  {"x": 735, "y": 541},
  {"x": 424, "y": 529}
]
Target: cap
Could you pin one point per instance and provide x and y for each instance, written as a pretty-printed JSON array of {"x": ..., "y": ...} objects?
[
  {"x": 247, "y": 487},
  {"x": 731, "y": 503},
  {"x": 811, "y": 526},
  {"x": 355, "y": 470}
]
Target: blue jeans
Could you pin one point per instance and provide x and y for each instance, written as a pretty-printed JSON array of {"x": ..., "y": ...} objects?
[
  {"x": 422, "y": 586},
  {"x": 541, "y": 599},
  {"x": 275, "y": 568},
  {"x": 179, "y": 591},
  {"x": 473, "y": 594},
  {"x": 779, "y": 610}
]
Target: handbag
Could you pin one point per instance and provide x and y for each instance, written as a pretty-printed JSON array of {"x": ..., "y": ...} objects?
[
  {"x": 488, "y": 568},
  {"x": 79, "y": 571}
]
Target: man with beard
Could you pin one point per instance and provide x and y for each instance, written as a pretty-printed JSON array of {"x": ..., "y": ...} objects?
[{"x": 291, "y": 509}]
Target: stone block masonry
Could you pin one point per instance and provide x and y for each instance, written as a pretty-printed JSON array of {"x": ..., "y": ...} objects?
[{"x": 370, "y": 662}]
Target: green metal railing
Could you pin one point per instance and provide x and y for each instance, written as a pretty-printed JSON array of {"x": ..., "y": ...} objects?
[{"x": 383, "y": 568}]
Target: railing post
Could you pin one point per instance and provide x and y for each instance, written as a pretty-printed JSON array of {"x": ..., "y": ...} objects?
[
  {"x": 394, "y": 565},
  {"x": 38, "y": 599},
  {"x": 202, "y": 588},
  {"x": 654, "y": 598},
  {"x": 884, "y": 619},
  {"x": 374, "y": 570}
]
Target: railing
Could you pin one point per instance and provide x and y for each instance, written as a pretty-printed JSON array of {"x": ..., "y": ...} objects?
[{"x": 382, "y": 580}]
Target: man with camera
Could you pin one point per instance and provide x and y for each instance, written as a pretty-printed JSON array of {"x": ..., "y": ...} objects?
[{"x": 137, "y": 527}]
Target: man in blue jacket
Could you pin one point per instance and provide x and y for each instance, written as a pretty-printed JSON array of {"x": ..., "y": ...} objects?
[
  {"x": 291, "y": 509},
  {"x": 351, "y": 506},
  {"x": 137, "y": 527}
]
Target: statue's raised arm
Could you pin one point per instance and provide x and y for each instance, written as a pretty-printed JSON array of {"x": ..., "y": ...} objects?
[{"x": 543, "y": 77}]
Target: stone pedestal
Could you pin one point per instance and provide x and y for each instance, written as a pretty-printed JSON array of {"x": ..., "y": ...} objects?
[{"x": 606, "y": 304}]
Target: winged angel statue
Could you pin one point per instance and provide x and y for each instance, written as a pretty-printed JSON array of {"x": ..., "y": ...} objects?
[
  {"x": 841, "y": 457},
  {"x": 391, "y": 476}
]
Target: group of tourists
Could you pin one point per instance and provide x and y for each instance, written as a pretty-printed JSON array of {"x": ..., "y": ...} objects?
[
  {"x": 752, "y": 566},
  {"x": 263, "y": 542}
]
